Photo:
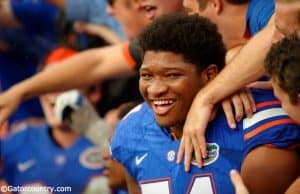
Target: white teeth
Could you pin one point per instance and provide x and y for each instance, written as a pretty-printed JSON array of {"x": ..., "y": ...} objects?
[{"x": 162, "y": 102}]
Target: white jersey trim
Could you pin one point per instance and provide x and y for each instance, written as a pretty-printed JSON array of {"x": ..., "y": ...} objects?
[{"x": 263, "y": 115}]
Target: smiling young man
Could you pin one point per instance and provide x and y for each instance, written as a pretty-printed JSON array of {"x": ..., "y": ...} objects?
[{"x": 176, "y": 65}]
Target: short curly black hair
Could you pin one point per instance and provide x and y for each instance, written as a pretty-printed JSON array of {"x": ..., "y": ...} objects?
[
  {"x": 283, "y": 64},
  {"x": 192, "y": 36}
]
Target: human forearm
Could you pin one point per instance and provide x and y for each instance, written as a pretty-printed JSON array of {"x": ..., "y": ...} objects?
[
  {"x": 78, "y": 71},
  {"x": 294, "y": 188},
  {"x": 246, "y": 67}
]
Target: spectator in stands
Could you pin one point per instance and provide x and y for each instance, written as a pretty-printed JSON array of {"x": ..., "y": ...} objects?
[
  {"x": 96, "y": 64},
  {"x": 59, "y": 148},
  {"x": 27, "y": 34}
]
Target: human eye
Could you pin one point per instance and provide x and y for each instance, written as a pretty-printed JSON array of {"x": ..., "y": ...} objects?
[
  {"x": 173, "y": 75},
  {"x": 145, "y": 75}
]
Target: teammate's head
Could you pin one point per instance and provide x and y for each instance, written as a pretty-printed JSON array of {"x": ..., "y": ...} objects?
[
  {"x": 208, "y": 8},
  {"x": 287, "y": 18},
  {"x": 156, "y": 8},
  {"x": 180, "y": 55},
  {"x": 283, "y": 65},
  {"x": 129, "y": 14},
  {"x": 222, "y": 12}
]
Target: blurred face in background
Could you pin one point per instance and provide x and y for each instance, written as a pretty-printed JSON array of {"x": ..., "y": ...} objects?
[
  {"x": 156, "y": 8},
  {"x": 130, "y": 16},
  {"x": 48, "y": 103},
  {"x": 201, "y": 7}
]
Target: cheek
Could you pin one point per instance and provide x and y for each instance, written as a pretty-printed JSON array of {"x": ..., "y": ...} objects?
[
  {"x": 142, "y": 88},
  {"x": 287, "y": 108},
  {"x": 276, "y": 91},
  {"x": 188, "y": 4},
  {"x": 277, "y": 36}
]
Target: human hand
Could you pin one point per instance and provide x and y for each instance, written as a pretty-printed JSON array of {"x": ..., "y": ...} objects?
[
  {"x": 9, "y": 102},
  {"x": 266, "y": 85},
  {"x": 238, "y": 183},
  {"x": 193, "y": 138},
  {"x": 242, "y": 102}
]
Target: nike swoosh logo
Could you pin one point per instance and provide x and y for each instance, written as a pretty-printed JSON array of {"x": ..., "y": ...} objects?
[
  {"x": 138, "y": 160},
  {"x": 22, "y": 167}
]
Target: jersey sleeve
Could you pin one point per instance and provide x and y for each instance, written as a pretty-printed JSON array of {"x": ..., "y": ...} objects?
[
  {"x": 36, "y": 16},
  {"x": 127, "y": 138},
  {"x": 132, "y": 53},
  {"x": 270, "y": 125},
  {"x": 259, "y": 14}
]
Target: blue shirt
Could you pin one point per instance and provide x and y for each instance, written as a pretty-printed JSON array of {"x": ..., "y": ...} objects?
[
  {"x": 258, "y": 14},
  {"x": 31, "y": 157},
  {"x": 149, "y": 153},
  {"x": 93, "y": 11}
]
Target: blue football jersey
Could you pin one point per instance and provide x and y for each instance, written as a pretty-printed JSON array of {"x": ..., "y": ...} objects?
[
  {"x": 31, "y": 158},
  {"x": 149, "y": 153},
  {"x": 270, "y": 124}
]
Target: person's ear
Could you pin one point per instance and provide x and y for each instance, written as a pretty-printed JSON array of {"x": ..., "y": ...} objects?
[
  {"x": 95, "y": 94},
  {"x": 211, "y": 72},
  {"x": 217, "y": 5},
  {"x": 298, "y": 98}
]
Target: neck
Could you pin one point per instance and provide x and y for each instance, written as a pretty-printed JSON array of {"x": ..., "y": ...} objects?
[
  {"x": 63, "y": 138},
  {"x": 177, "y": 131},
  {"x": 235, "y": 22}
]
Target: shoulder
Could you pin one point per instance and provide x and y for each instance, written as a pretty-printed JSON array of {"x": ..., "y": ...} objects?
[
  {"x": 132, "y": 124},
  {"x": 130, "y": 129},
  {"x": 16, "y": 140},
  {"x": 270, "y": 124},
  {"x": 259, "y": 13}
]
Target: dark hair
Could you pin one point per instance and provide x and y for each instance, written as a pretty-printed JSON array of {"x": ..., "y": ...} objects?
[
  {"x": 195, "y": 37},
  {"x": 283, "y": 64}
]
